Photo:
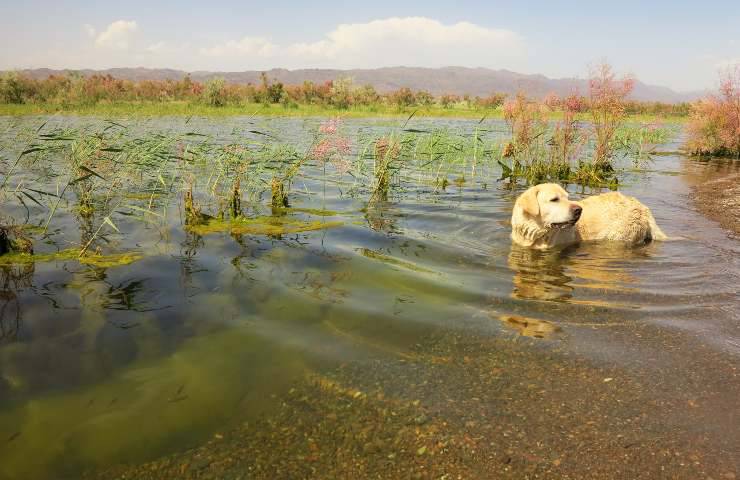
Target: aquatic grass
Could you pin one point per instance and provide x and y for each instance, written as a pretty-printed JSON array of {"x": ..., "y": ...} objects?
[
  {"x": 112, "y": 173},
  {"x": 641, "y": 140}
]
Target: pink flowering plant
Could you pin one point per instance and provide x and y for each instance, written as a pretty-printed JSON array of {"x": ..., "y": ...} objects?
[
  {"x": 714, "y": 127},
  {"x": 607, "y": 98},
  {"x": 332, "y": 147},
  {"x": 525, "y": 119},
  {"x": 567, "y": 139}
]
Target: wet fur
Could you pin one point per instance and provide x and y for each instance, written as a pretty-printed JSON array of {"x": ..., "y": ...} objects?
[{"x": 607, "y": 217}]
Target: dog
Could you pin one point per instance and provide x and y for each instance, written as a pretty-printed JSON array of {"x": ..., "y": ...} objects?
[{"x": 543, "y": 218}]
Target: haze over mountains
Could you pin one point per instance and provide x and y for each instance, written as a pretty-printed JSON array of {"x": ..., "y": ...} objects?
[{"x": 456, "y": 80}]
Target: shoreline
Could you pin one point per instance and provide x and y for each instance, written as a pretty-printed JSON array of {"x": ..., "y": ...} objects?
[
  {"x": 150, "y": 109},
  {"x": 719, "y": 200}
]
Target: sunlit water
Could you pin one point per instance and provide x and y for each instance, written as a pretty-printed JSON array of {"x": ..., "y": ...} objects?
[{"x": 104, "y": 366}]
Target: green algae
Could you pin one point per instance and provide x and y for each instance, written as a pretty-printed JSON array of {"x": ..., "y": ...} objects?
[
  {"x": 260, "y": 226},
  {"x": 319, "y": 212},
  {"x": 95, "y": 260},
  {"x": 366, "y": 252},
  {"x": 111, "y": 260}
]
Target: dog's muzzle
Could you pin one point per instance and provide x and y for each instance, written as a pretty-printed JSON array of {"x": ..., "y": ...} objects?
[{"x": 574, "y": 218}]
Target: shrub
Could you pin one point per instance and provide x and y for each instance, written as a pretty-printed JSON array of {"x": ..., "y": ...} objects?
[
  {"x": 525, "y": 121},
  {"x": 552, "y": 101},
  {"x": 492, "y": 101},
  {"x": 403, "y": 97},
  {"x": 714, "y": 127},
  {"x": 11, "y": 88},
  {"x": 448, "y": 100},
  {"x": 214, "y": 94},
  {"x": 341, "y": 93},
  {"x": 567, "y": 139},
  {"x": 607, "y": 96}
]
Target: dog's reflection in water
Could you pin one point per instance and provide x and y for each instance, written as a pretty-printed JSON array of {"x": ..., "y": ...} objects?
[
  {"x": 529, "y": 327},
  {"x": 540, "y": 274},
  {"x": 551, "y": 276}
]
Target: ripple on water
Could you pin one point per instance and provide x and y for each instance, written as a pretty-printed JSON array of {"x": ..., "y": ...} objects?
[{"x": 209, "y": 331}]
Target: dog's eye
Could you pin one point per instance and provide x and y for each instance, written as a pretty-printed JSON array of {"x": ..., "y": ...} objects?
[{"x": 554, "y": 199}]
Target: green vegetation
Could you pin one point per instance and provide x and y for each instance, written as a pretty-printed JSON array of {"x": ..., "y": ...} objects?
[
  {"x": 108, "y": 175},
  {"x": 95, "y": 260},
  {"x": 186, "y": 109},
  {"x": 108, "y": 96},
  {"x": 271, "y": 226},
  {"x": 570, "y": 150}
]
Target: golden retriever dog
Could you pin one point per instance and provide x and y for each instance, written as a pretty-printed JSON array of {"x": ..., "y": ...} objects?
[{"x": 543, "y": 217}]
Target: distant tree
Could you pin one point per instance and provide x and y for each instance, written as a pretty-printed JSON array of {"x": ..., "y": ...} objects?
[
  {"x": 11, "y": 88},
  {"x": 213, "y": 92}
]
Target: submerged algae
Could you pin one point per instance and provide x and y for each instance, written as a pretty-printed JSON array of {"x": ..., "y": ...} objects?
[
  {"x": 261, "y": 226},
  {"x": 95, "y": 260}
]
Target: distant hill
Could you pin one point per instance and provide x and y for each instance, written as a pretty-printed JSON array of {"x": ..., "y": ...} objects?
[{"x": 457, "y": 80}]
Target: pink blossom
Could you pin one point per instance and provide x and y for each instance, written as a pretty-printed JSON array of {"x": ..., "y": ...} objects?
[
  {"x": 330, "y": 126},
  {"x": 321, "y": 150},
  {"x": 342, "y": 145},
  {"x": 334, "y": 150}
]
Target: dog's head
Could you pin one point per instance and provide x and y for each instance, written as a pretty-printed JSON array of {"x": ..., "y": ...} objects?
[{"x": 547, "y": 204}]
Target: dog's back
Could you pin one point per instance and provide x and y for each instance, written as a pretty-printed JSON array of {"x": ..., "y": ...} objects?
[{"x": 617, "y": 217}]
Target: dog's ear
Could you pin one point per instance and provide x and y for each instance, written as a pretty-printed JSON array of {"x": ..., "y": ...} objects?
[{"x": 529, "y": 203}]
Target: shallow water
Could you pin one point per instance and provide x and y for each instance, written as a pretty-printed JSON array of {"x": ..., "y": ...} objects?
[{"x": 103, "y": 366}]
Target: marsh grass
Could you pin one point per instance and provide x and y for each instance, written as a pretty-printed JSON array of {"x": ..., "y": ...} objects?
[
  {"x": 109, "y": 175},
  {"x": 185, "y": 109}
]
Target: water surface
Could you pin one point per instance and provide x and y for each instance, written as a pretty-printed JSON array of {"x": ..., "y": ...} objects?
[{"x": 597, "y": 360}]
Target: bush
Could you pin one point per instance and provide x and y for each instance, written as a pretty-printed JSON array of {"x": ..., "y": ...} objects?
[
  {"x": 213, "y": 93},
  {"x": 714, "y": 126},
  {"x": 607, "y": 96},
  {"x": 527, "y": 125},
  {"x": 448, "y": 100},
  {"x": 11, "y": 88},
  {"x": 492, "y": 101}
]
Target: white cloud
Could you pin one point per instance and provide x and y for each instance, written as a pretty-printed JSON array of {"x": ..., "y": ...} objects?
[
  {"x": 410, "y": 41},
  {"x": 157, "y": 47},
  {"x": 255, "y": 46},
  {"x": 89, "y": 30},
  {"x": 117, "y": 35}
]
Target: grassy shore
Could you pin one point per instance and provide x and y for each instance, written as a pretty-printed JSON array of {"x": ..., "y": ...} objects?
[{"x": 173, "y": 108}]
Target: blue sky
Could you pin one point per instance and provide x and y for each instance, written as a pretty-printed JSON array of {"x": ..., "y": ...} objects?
[{"x": 678, "y": 44}]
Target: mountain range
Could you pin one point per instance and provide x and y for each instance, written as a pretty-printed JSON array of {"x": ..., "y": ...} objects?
[{"x": 454, "y": 80}]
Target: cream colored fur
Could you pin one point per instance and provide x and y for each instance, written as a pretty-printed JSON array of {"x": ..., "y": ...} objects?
[{"x": 543, "y": 217}]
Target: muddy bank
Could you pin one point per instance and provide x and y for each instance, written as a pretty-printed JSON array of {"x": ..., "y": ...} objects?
[
  {"x": 719, "y": 199},
  {"x": 485, "y": 408}
]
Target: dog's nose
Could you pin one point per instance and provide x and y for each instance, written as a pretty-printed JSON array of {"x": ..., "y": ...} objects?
[{"x": 577, "y": 211}]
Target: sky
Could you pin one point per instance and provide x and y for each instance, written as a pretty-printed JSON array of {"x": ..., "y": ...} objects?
[{"x": 679, "y": 44}]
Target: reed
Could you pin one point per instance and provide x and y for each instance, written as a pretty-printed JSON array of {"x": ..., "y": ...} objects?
[{"x": 108, "y": 175}]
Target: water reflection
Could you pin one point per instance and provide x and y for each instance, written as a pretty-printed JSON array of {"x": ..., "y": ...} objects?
[
  {"x": 206, "y": 329},
  {"x": 530, "y": 327},
  {"x": 382, "y": 217},
  {"x": 12, "y": 280},
  {"x": 540, "y": 275},
  {"x": 552, "y": 275}
]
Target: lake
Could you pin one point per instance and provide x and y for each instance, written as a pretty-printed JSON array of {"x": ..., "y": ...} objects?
[{"x": 400, "y": 338}]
